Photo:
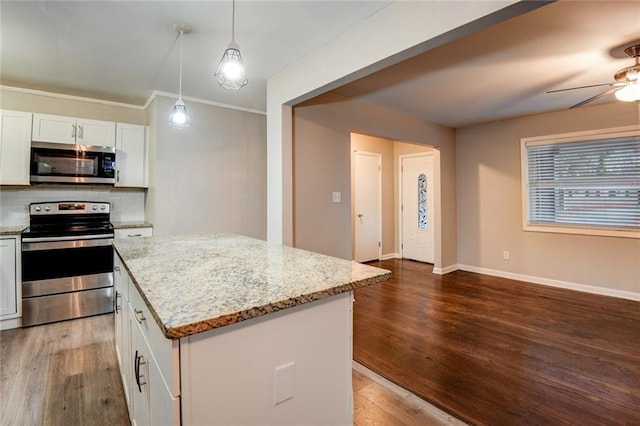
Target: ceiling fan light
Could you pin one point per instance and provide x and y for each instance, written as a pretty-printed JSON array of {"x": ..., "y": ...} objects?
[
  {"x": 629, "y": 93},
  {"x": 230, "y": 72},
  {"x": 179, "y": 118}
]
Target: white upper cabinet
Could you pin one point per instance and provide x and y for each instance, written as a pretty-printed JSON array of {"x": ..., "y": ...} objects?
[
  {"x": 132, "y": 155},
  {"x": 15, "y": 146},
  {"x": 60, "y": 129},
  {"x": 95, "y": 132}
]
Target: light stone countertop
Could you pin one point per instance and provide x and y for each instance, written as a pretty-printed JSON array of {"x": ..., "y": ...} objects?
[
  {"x": 197, "y": 283},
  {"x": 12, "y": 230}
]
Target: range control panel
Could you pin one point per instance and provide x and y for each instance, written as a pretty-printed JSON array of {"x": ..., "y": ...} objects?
[{"x": 69, "y": 207}]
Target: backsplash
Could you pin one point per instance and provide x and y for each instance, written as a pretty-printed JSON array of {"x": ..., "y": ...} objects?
[{"x": 127, "y": 205}]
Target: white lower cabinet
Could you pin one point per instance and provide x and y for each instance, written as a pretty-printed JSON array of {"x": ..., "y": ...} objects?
[
  {"x": 274, "y": 369},
  {"x": 10, "y": 284},
  {"x": 148, "y": 361},
  {"x": 122, "y": 326}
]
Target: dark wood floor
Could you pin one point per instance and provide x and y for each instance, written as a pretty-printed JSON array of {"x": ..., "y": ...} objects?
[{"x": 493, "y": 351}]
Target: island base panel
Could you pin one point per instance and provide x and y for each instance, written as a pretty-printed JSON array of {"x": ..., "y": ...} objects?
[{"x": 229, "y": 374}]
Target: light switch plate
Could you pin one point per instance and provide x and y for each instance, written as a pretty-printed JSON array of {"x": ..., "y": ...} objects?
[
  {"x": 336, "y": 197},
  {"x": 284, "y": 383}
]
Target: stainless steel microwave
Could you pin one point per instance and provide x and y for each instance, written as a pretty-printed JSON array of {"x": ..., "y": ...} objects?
[{"x": 69, "y": 163}]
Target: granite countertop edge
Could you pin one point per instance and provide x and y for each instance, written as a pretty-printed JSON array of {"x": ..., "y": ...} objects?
[
  {"x": 184, "y": 330},
  {"x": 126, "y": 225}
]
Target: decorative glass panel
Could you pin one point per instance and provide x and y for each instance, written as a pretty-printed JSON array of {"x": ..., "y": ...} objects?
[{"x": 422, "y": 201}]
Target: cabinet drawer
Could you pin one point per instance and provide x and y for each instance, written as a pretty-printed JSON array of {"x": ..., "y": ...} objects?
[
  {"x": 164, "y": 351},
  {"x": 133, "y": 232}
]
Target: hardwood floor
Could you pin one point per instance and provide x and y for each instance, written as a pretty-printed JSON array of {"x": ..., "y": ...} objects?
[
  {"x": 61, "y": 374},
  {"x": 66, "y": 374},
  {"x": 493, "y": 351}
]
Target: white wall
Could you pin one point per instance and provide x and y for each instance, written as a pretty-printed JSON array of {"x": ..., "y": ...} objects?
[
  {"x": 490, "y": 207},
  {"x": 210, "y": 177}
]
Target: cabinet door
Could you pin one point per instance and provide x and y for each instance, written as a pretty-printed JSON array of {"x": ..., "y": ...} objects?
[
  {"x": 53, "y": 128},
  {"x": 122, "y": 327},
  {"x": 164, "y": 408},
  {"x": 94, "y": 132},
  {"x": 131, "y": 155},
  {"x": 140, "y": 375},
  {"x": 15, "y": 147},
  {"x": 8, "y": 278}
]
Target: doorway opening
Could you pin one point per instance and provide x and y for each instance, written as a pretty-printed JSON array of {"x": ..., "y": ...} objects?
[{"x": 408, "y": 214}]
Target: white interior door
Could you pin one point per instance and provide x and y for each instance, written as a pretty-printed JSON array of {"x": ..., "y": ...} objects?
[
  {"x": 368, "y": 205},
  {"x": 418, "y": 242}
]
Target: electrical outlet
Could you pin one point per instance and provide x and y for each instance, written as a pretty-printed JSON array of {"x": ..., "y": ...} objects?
[
  {"x": 505, "y": 255},
  {"x": 284, "y": 381}
]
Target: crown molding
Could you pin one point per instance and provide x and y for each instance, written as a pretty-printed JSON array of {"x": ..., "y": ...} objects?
[
  {"x": 200, "y": 101},
  {"x": 69, "y": 97}
]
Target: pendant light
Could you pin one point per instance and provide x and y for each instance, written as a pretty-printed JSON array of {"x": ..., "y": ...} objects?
[
  {"x": 230, "y": 73},
  {"x": 179, "y": 118}
]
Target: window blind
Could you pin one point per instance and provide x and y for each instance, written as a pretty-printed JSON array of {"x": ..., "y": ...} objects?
[{"x": 593, "y": 183}]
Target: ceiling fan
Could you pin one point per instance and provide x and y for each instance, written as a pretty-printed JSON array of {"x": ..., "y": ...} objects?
[{"x": 626, "y": 87}]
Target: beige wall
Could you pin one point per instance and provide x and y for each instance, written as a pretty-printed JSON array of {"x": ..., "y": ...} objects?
[
  {"x": 72, "y": 107},
  {"x": 321, "y": 151},
  {"x": 210, "y": 177},
  {"x": 490, "y": 207}
]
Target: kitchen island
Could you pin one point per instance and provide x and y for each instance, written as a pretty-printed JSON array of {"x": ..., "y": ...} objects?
[{"x": 225, "y": 329}]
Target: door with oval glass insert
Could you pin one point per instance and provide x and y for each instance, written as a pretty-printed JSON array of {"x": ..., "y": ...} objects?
[{"x": 417, "y": 227}]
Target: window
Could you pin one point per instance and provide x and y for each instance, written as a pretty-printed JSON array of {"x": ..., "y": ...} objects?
[
  {"x": 584, "y": 183},
  {"x": 422, "y": 201}
]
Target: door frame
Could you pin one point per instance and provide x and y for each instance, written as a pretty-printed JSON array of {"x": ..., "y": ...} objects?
[
  {"x": 353, "y": 202},
  {"x": 434, "y": 154}
]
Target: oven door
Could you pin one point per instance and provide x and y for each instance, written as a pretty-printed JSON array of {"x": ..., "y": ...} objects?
[{"x": 66, "y": 279}]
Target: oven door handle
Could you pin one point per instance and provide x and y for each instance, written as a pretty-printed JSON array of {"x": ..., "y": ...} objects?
[
  {"x": 67, "y": 238},
  {"x": 54, "y": 245}
]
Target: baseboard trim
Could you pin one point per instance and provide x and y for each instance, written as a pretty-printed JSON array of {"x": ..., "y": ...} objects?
[
  {"x": 390, "y": 256},
  {"x": 445, "y": 270},
  {"x": 553, "y": 283},
  {"x": 8, "y": 324}
]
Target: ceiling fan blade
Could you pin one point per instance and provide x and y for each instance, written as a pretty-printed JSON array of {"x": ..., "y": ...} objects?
[
  {"x": 583, "y": 87},
  {"x": 593, "y": 98}
]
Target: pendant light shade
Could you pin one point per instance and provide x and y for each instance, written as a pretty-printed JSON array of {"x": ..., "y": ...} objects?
[
  {"x": 230, "y": 72},
  {"x": 179, "y": 118}
]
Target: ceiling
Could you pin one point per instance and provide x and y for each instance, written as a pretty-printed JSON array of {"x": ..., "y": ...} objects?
[{"x": 122, "y": 51}]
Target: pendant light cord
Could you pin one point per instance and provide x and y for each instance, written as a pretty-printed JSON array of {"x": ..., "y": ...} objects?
[
  {"x": 180, "y": 84},
  {"x": 233, "y": 21}
]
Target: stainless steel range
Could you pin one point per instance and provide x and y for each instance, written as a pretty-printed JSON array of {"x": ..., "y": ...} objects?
[{"x": 67, "y": 262}]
